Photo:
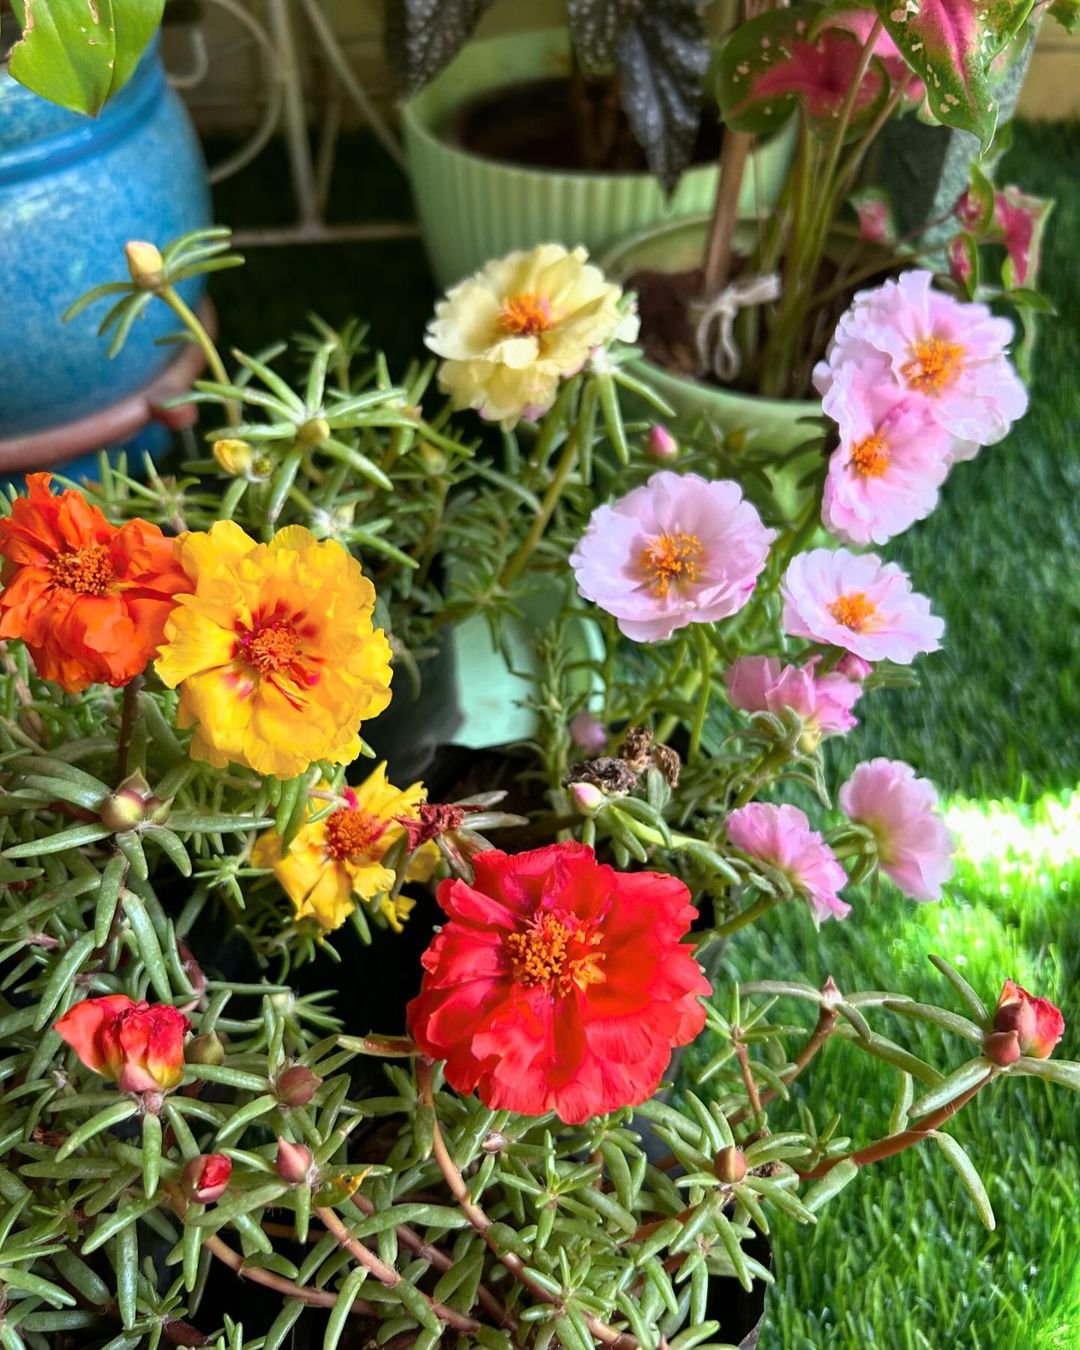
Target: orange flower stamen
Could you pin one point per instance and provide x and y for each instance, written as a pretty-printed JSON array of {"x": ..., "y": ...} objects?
[
  {"x": 672, "y": 558},
  {"x": 271, "y": 648},
  {"x": 526, "y": 314},
  {"x": 934, "y": 365},
  {"x": 87, "y": 571},
  {"x": 350, "y": 834},
  {"x": 552, "y": 953},
  {"x": 855, "y": 611},
  {"x": 870, "y": 457}
]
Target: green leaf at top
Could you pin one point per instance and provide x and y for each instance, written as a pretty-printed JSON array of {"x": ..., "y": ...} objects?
[{"x": 78, "y": 53}]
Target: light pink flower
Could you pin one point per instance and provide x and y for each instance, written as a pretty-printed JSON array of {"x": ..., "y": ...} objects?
[
  {"x": 949, "y": 353},
  {"x": 914, "y": 846},
  {"x": 675, "y": 551},
  {"x": 588, "y": 732},
  {"x": 891, "y": 460},
  {"x": 824, "y": 702},
  {"x": 781, "y": 836},
  {"x": 857, "y": 602}
]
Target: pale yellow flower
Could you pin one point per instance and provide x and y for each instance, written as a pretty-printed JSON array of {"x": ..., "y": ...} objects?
[
  {"x": 509, "y": 334},
  {"x": 339, "y": 857}
]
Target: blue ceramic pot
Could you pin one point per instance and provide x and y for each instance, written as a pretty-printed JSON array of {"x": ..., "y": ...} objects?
[{"x": 73, "y": 191}]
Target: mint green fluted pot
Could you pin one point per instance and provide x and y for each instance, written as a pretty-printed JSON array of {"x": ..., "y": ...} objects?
[{"x": 473, "y": 209}]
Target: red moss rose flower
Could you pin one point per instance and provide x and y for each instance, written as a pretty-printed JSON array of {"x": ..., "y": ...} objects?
[
  {"x": 138, "y": 1045},
  {"x": 89, "y": 599},
  {"x": 559, "y": 984},
  {"x": 1036, "y": 1023},
  {"x": 206, "y": 1177}
]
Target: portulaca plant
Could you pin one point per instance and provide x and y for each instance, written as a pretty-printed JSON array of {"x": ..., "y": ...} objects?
[{"x": 192, "y": 666}]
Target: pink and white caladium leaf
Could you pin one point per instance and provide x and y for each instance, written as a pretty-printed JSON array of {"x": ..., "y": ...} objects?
[
  {"x": 873, "y": 209},
  {"x": 1019, "y": 221},
  {"x": 952, "y": 45},
  {"x": 786, "y": 59}
]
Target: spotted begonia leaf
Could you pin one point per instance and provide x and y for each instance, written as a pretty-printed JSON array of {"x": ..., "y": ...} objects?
[
  {"x": 423, "y": 36},
  {"x": 951, "y": 45},
  {"x": 781, "y": 60}
]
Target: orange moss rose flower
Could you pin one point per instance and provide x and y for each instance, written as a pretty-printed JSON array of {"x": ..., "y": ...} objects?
[
  {"x": 140, "y": 1046},
  {"x": 559, "y": 984},
  {"x": 88, "y": 598},
  {"x": 340, "y": 856},
  {"x": 274, "y": 653}
]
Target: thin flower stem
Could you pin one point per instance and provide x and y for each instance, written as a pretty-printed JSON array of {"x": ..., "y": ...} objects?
[
  {"x": 748, "y": 1078},
  {"x": 563, "y": 470},
  {"x": 128, "y": 711},
  {"x": 826, "y": 1022},
  {"x": 607, "y": 1335},
  {"x": 705, "y": 658},
  {"x": 387, "y": 1274},
  {"x": 747, "y": 916},
  {"x": 205, "y": 342},
  {"x": 896, "y": 1143},
  {"x": 318, "y": 1298}
]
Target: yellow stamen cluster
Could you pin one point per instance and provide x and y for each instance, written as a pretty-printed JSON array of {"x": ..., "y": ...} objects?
[
  {"x": 855, "y": 611},
  {"x": 672, "y": 559},
  {"x": 934, "y": 365}
]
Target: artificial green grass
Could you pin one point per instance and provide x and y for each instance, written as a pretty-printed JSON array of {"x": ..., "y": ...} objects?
[{"x": 899, "y": 1259}]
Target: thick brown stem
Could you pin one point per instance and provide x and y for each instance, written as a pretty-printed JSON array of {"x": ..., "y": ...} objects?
[
  {"x": 387, "y": 1274},
  {"x": 719, "y": 251},
  {"x": 607, "y": 1335},
  {"x": 896, "y": 1143}
]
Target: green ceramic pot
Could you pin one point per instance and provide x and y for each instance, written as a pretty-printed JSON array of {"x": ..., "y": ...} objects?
[
  {"x": 771, "y": 426},
  {"x": 473, "y": 209}
]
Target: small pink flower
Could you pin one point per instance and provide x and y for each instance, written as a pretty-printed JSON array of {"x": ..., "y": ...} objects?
[
  {"x": 890, "y": 462},
  {"x": 914, "y": 846},
  {"x": 951, "y": 354},
  {"x": 588, "y": 732},
  {"x": 781, "y": 836},
  {"x": 824, "y": 702},
  {"x": 660, "y": 443},
  {"x": 857, "y": 602},
  {"x": 675, "y": 551}
]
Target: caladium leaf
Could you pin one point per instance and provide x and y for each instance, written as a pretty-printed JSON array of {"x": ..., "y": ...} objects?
[
  {"x": 780, "y": 60},
  {"x": 1067, "y": 13},
  {"x": 951, "y": 45},
  {"x": 423, "y": 36},
  {"x": 78, "y": 53},
  {"x": 662, "y": 54}
]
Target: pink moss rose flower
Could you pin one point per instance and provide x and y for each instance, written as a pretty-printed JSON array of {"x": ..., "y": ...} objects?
[
  {"x": 890, "y": 462},
  {"x": 588, "y": 732},
  {"x": 951, "y": 354},
  {"x": 857, "y": 602},
  {"x": 915, "y": 848},
  {"x": 824, "y": 702},
  {"x": 781, "y": 836},
  {"x": 675, "y": 551}
]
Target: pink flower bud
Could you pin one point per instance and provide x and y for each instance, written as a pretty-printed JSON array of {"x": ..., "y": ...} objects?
[
  {"x": 206, "y": 1177},
  {"x": 294, "y": 1162},
  {"x": 730, "y": 1164},
  {"x": 587, "y": 798},
  {"x": 1037, "y": 1024},
  {"x": 588, "y": 732},
  {"x": 297, "y": 1086},
  {"x": 854, "y": 667},
  {"x": 660, "y": 443}
]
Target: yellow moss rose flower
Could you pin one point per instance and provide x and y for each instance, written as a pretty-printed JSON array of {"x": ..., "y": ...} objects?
[
  {"x": 341, "y": 856},
  {"x": 274, "y": 652},
  {"x": 509, "y": 334}
]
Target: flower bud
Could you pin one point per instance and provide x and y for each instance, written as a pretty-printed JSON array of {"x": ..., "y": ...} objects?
[
  {"x": 660, "y": 443},
  {"x": 1001, "y": 1048},
  {"x": 961, "y": 256},
  {"x": 588, "y": 799},
  {"x": 234, "y": 456},
  {"x": 131, "y": 805},
  {"x": 314, "y": 432},
  {"x": 145, "y": 263},
  {"x": 206, "y": 1049},
  {"x": 588, "y": 732},
  {"x": 1036, "y": 1022},
  {"x": 297, "y": 1086},
  {"x": 854, "y": 667},
  {"x": 494, "y": 1142},
  {"x": 294, "y": 1163},
  {"x": 730, "y": 1164},
  {"x": 206, "y": 1177},
  {"x": 433, "y": 459}
]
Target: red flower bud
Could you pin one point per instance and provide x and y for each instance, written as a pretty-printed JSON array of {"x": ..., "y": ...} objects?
[
  {"x": 206, "y": 1177},
  {"x": 1037, "y": 1023},
  {"x": 297, "y": 1086},
  {"x": 730, "y": 1164},
  {"x": 294, "y": 1163},
  {"x": 140, "y": 1046},
  {"x": 1001, "y": 1048}
]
